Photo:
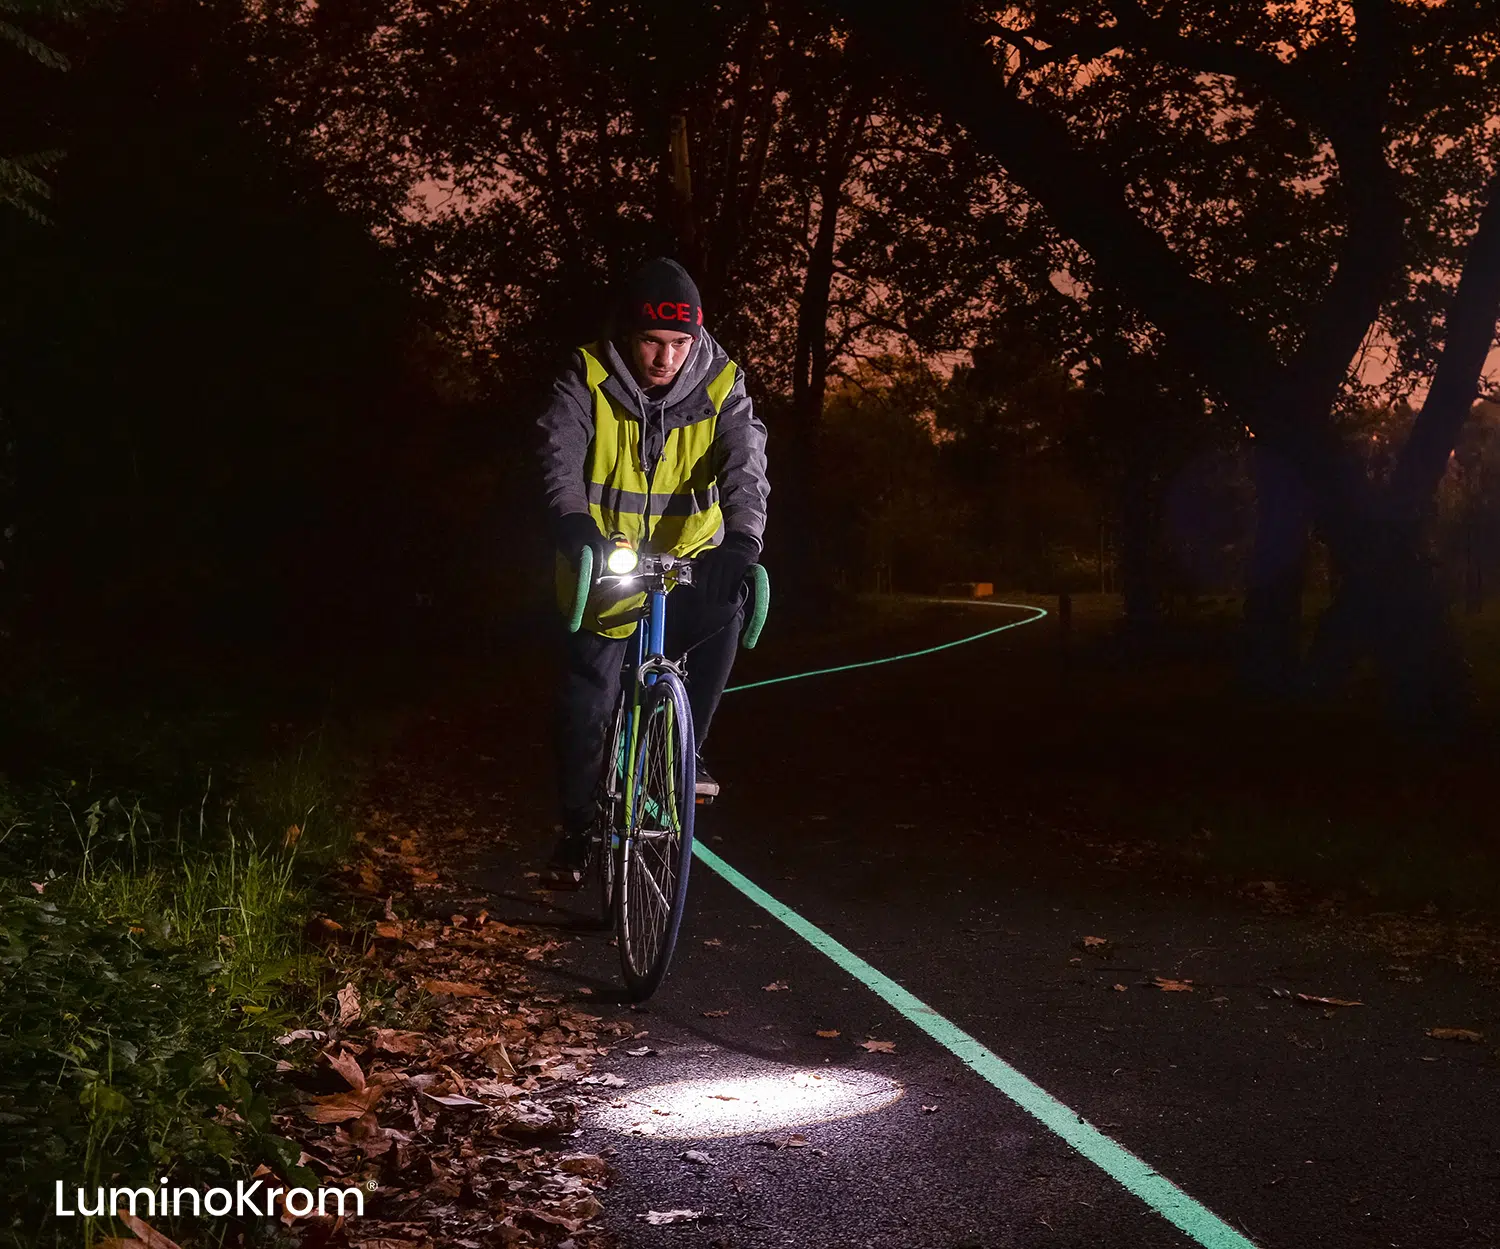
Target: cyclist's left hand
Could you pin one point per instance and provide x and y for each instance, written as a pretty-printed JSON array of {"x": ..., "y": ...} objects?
[{"x": 719, "y": 570}]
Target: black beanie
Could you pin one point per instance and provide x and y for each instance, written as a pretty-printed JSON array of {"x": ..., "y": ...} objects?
[{"x": 661, "y": 296}]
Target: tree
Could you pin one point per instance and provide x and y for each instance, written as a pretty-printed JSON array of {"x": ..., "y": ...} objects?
[{"x": 1170, "y": 145}]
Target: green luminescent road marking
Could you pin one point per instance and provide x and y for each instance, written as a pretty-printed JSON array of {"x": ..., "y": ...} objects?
[
  {"x": 1114, "y": 1159},
  {"x": 890, "y": 659},
  {"x": 1158, "y": 1192}
]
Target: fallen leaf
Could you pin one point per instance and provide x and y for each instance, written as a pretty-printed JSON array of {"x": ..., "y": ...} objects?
[
  {"x": 1093, "y": 943},
  {"x": 642, "y": 1052},
  {"x": 829, "y": 1032},
  {"x": 349, "y": 1006},
  {"x": 712, "y": 941},
  {"x": 795, "y": 1141},
  {"x": 927, "y": 1110},
  {"x": 341, "y": 1107},
  {"x": 608, "y": 1080},
  {"x": 454, "y": 988},
  {"x": 302, "y": 1034},
  {"x": 583, "y": 1164},
  {"x": 715, "y": 1014},
  {"x": 1456, "y": 1034},
  {"x": 453, "y": 1099},
  {"x": 347, "y": 1066},
  {"x": 698, "y": 1156},
  {"x": 1173, "y": 986},
  {"x": 1119, "y": 988},
  {"x": 369, "y": 882},
  {"x": 1312, "y": 1000},
  {"x": 879, "y": 1047},
  {"x": 390, "y": 929},
  {"x": 293, "y": 835},
  {"x": 394, "y": 1041},
  {"x": 774, "y": 986},
  {"x": 148, "y": 1235},
  {"x": 657, "y": 1217},
  {"x": 497, "y": 1058}
]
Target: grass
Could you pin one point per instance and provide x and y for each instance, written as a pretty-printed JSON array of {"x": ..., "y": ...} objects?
[{"x": 151, "y": 920}]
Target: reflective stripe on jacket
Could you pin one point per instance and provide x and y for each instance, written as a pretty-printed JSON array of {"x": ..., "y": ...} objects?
[{"x": 654, "y": 480}]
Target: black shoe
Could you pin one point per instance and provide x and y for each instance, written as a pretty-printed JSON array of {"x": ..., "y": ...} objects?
[
  {"x": 706, "y": 788},
  {"x": 569, "y": 862}
]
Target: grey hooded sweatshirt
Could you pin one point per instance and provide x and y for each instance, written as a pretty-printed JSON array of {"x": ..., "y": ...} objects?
[{"x": 738, "y": 452}]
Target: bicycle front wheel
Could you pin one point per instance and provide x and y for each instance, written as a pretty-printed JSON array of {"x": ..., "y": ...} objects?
[
  {"x": 658, "y": 849},
  {"x": 609, "y": 831}
]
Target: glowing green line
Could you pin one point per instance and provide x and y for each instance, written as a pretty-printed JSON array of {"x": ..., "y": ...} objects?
[
  {"x": 890, "y": 659},
  {"x": 1158, "y": 1192},
  {"x": 1114, "y": 1159}
]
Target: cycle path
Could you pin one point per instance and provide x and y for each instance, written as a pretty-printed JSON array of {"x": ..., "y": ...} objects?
[{"x": 878, "y": 815}]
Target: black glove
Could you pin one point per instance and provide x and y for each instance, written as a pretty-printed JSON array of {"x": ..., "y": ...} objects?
[
  {"x": 575, "y": 531},
  {"x": 720, "y": 569}
]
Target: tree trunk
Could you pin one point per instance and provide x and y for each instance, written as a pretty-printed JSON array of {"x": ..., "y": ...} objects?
[
  {"x": 1271, "y": 653},
  {"x": 810, "y": 360},
  {"x": 735, "y": 204},
  {"x": 1389, "y": 601},
  {"x": 1140, "y": 564}
]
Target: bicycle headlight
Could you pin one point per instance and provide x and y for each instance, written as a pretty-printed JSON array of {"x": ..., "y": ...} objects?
[{"x": 622, "y": 561}]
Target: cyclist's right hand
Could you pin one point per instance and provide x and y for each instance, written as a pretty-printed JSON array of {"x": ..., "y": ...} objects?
[{"x": 575, "y": 531}]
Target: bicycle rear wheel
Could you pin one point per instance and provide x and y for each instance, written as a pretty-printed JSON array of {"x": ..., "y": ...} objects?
[{"x": 658, "y": 849}]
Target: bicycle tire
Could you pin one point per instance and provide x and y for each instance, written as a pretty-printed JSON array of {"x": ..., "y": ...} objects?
[
  {"x": 658, "y": 849},
  {"x": 609, "y": 834}
]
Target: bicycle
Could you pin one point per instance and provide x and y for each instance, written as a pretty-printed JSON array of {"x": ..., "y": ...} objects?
[{"x": 642, "y": 844}]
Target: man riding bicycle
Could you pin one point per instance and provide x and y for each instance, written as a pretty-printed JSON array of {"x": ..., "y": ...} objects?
[{"x": 649, "y": 433}]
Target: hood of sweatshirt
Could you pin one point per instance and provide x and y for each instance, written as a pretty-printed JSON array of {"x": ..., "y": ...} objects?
[{"x": 685, "y": 401}]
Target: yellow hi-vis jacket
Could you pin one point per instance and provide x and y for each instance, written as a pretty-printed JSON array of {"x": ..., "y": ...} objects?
[{"x": 655, "y": 471}]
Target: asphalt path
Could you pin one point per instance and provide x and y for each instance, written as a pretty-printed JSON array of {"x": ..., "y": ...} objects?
[{"x": 875, "y": 805}]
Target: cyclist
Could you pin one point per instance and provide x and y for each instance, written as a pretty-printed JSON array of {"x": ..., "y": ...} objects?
[{"x": 649, "y": 433}]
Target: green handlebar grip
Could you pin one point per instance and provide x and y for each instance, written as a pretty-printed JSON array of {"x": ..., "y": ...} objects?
[
  {"x": 761, "y": 596},
  {"x": 581, "y": 595}
]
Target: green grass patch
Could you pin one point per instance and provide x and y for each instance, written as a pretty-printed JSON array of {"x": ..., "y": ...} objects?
[{"x": 151, "y": 920}]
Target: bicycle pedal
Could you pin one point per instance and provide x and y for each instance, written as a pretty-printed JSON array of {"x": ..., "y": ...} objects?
[{"x": 704, "y": 800}]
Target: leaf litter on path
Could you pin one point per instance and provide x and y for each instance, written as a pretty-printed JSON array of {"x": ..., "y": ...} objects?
[{"x": 464, "y": 1080}]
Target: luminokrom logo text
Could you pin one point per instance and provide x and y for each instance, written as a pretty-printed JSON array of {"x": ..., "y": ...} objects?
[{"x": 254, "y": 1199}]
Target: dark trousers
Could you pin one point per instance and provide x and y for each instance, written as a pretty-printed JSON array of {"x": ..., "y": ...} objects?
[{"x": 708, "y": 633}]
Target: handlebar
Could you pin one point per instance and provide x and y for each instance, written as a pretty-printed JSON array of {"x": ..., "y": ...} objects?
[
  {"x": 760, "y": 595},
  {"x": 581, "y": 594},
  {"x": 760, "y": 604}
]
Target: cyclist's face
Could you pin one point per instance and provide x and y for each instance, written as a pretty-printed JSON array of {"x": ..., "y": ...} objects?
[{"x": 657, "y": 355}]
